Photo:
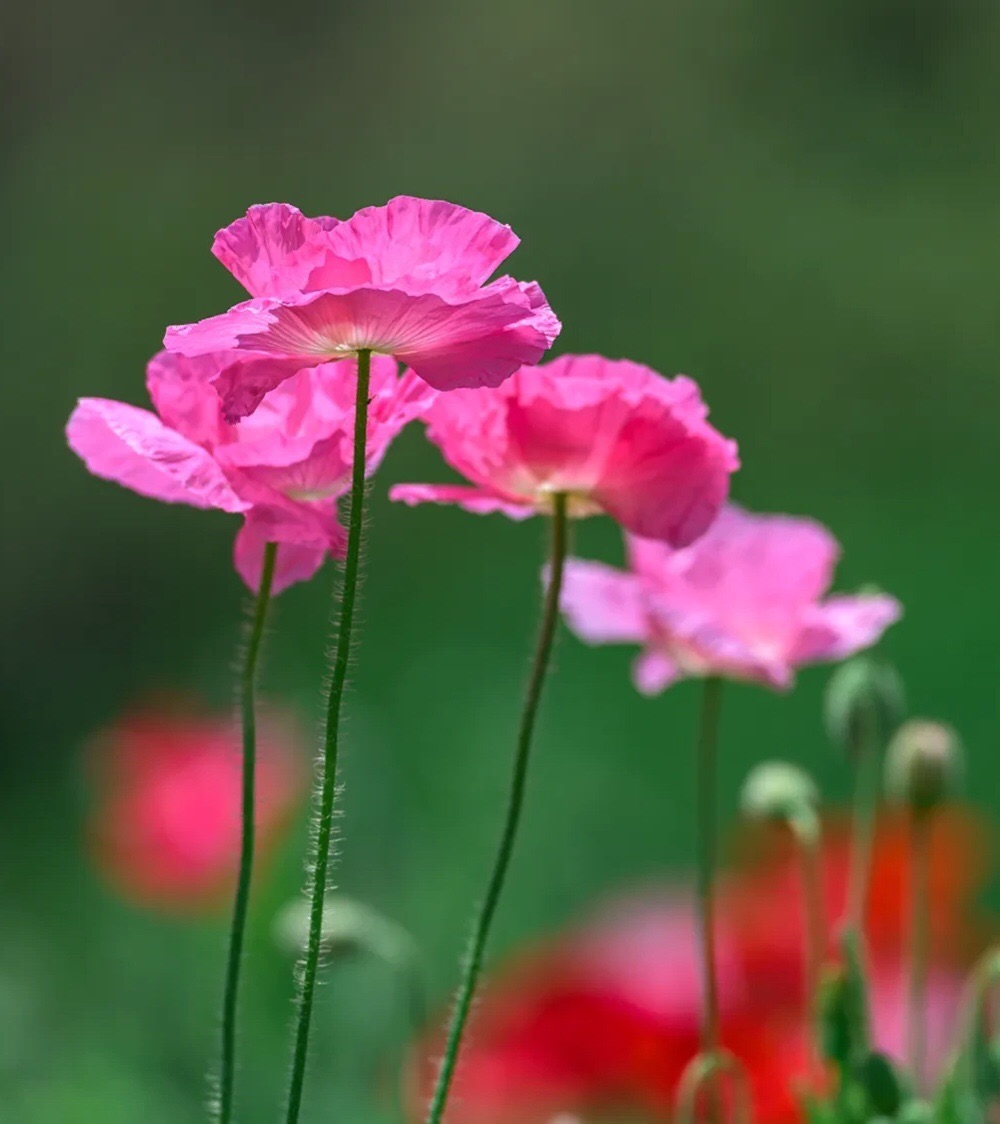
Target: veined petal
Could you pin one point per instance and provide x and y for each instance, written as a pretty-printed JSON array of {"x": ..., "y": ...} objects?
[
  {"x": 244, "y": 381},
  {"x": 234, "y": 330},
  {"x": 184, "y": 396},
  {"x": 322, "y": 472},
  {"x": 134, "y": 448},
  {"x": 276, "y": 251},
  {"x": 476, "y": 342},
  {"x": 425, "y": 245}
]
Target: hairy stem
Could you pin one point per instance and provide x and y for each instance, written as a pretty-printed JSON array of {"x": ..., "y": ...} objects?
[
  {"x": 241, "y": 905},
  {"x": 323, "y": 823},
  {"x": 474, "y": 960}
]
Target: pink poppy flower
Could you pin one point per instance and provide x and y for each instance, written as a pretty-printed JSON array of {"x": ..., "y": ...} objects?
[
  {"x": 407, "y": 279},
  {"x": 614, "y": 435},
  {"x": 747, "y": 601},
  {"x": 283, "y": 469},
  {"x": 165, "y": 827}
]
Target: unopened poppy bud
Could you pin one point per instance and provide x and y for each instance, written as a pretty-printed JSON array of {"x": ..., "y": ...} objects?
[
  {"x": 924, "y": 764},
  {"x": 777, "y": 790},
  {"x": 865, "y": 702}
]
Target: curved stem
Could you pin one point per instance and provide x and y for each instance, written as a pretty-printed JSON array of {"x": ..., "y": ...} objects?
[
  {"x": 707, "y": 1068},
  {"x": 241, "y": 905},
  {"x": 708, "y": 734},
  {"x": 474, "y": 960},
  {"x": 323, "y": 823},
  {"x": 920, "y": 947}
]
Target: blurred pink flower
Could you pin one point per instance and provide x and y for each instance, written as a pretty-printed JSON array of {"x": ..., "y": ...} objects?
[
  {"x": 614, "y": 435},
  {"x": 165, "y": 826},
  {"x": 406, "y": 279},
  {"x": 746, "y": 601},
  {"x": 283, "y": 469}
]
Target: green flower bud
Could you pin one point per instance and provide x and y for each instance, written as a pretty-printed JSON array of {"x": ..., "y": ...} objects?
[
  {"x": 865, "y": 702},
  {"x": 923, "y": 765},
  {"x": 777, "y": 790}
]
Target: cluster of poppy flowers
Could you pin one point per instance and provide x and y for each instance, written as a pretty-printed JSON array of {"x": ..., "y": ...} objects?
[
  {"x": 254, "y": 413},
  {"x": 271, "y": 409}
]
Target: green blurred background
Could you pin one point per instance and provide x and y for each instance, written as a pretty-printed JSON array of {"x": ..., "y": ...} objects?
[{"x": 797, "y": 204}]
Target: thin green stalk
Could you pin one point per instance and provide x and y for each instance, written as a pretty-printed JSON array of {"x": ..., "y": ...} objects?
[
  {"x": 323, "y": 823},
  {"x": 474, "y": 960},
  {"x": 866, "y": 792},
  {"x": 241, "y": 905},
  {"x": 705, "y": 767},
  {"x": 920, "y": 947},
  {"x": 807, "y": 837}
]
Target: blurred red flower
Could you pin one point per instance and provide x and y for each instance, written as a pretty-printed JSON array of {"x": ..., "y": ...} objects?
[
  {"x": 164, "y": 829},
  {"x": 601, "y": 1021}
]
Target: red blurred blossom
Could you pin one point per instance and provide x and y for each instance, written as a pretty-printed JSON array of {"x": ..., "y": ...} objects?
[
  {"x": 164, "y": 829},
  {"x": 602, "y": 1020}
]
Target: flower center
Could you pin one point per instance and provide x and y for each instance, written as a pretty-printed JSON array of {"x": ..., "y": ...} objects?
[{"x": 579, "y": 504}]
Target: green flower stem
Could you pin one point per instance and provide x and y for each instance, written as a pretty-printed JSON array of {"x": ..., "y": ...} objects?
[
  {"x": 474, "y": 960},
  {"x": 866, "y": 793},
  {"x": 808, "y": 840},
  {"x": 323, "y": 823},
  {"x": 705, "y": 766},
  {"x": 919, "y": 948},
  {"x": 241, "y": 905}
]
